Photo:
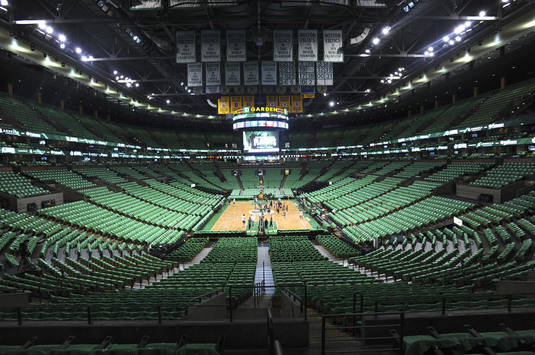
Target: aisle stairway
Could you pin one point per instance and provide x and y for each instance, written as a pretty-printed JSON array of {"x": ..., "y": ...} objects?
[{"x": 263, "y": 272}]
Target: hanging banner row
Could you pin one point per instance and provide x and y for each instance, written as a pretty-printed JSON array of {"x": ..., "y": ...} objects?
[
  {"x": 264, "y": 73},
  {"x": 232, "y": 104},
  {"x": 283, "y": 46}
]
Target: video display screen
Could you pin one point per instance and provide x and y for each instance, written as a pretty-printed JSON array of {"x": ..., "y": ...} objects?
[{"x": 261, "y": 141}]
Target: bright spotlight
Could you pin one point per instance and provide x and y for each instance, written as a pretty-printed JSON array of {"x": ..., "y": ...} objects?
[
  {"x": 430, "y": 49},
  {"x": 62, "y": 46},
  {"x": 62, "y": 38},
  {"x": 331, "y": 103},
  {"x": 376, "y": 41},
  {"x": 49, "y": 30},
  {"x": 482, "y": 13},
  {"x": 78, "y": 50},
  {"x": 385, "y": 30},
  {"x": 42, "y": 25},
  {"x": 168, "y": 102},
  {"x": 446, "y": 39},
  {"x": 4, "y": 3}
]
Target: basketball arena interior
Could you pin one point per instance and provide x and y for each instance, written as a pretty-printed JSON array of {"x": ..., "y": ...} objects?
[{"x": 267, "y": 177}]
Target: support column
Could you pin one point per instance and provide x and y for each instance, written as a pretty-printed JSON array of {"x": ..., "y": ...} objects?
[
  {"x": 454, "y": 99},
  {"x": 10, "y": 89},
  {"x": 39, "y": 100},
  {"x": 502, "y": 82}
]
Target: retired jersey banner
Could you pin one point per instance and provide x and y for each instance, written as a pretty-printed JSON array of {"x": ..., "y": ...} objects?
[
  {"x": 283, "y": 46},
  {"x": 235, "y": 104},
  {"x": 250, "y": 73},
  {"x": 185, "y": 47},
  {"x": 232, "y": 74},
  {"x": 210, "y": 46},
  {"x": 213, "y": 74},
  {"x": 324, "y": 74},
  {"x": 306, "y": 74},
  {"x": 236, "y": 48},
  {"x": 285, "y": 102},
  {"x": 194, "y": 74},
  {"x": 307, "y": 41},
  {"x": 269, "y": 73},
  {"x": 223, "y": 107},
  {"x": 297, "y": 104},
  {"x": 272, "y": 101},
  {"x": 287, "y": 74},
  {"x": 248, "y": 101},
  {"x": 332, "y": 46}
]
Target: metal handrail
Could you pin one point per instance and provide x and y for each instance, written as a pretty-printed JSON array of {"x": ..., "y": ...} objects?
[{"x": 199, "y": 298}]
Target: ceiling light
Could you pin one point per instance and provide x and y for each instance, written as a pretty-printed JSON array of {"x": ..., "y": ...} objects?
[
  {"x": 451, "y": 42},
  {"x": 385, "y": 30},
  {"x": 458, "y": 39},
  {"x": 367, "y": 51},
  {"x": 446, "y": 39},
  {"x": 62, "y": 38},
  {"x": 168, "y": 102},
  {"x": 467, "y": 24},
  {"x": 430, "y": 49},
  {"x": 137, "y": 85},
  {"x": 459, "y": 29},
  {"x": 78, "y": 50},
  {"x": 4, "y": 3},
  {"x": 84, "y": 58},
  {"x": 115, "y": 72},
  {"x": 331, "y": 103},
  {"x": 62, "y": 45},
  {"x": 42, "y": 25},
  {"x": 376, "y": 41},
  {"x": 482, "y": 13},
  {"x": 49, "y": 30}
]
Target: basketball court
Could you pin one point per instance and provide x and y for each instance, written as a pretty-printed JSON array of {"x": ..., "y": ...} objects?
[{"x": 232, "y": 217}]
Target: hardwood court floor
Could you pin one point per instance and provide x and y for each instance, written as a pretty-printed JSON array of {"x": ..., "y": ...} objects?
[{"x": 231, "y": 219}]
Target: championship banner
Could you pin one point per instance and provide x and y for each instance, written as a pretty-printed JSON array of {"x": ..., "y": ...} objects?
[
  {"x": 236, "y": 48},
  {"x": 272, "y": 101},
  {"x": 223, "y": 107},
  {"x": 185, "y": 47},
  {"x": 235, "y": 104},
  {"x": 269, "y": 73},
  {"x": 232, "y": 74},
  {"x": 284, "y": 102},
  {"x": 306, "y": 74},
  {"x": 324, "y": 73},
  {"x": 297, "y": 104},
  {"x": 213, "y": 74},
  {"x": 283, "y": 46},
  {"x": 332, "y": 46},
  {"x": 194, "y": 74},
  {"x": 250, "y": 73},
  {"x": 248, "y": 101},
  {"x": 287, "y": 74},
  {"x": 210, "y": 46},
  {"x": 307, "y": 41}
]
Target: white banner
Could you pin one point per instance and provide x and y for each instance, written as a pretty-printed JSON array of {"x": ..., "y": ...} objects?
[
  {"x": 194, "y": 74},
  {"x": 332, "y": 46},
  {"x": 236, "y": 48},
  {"x": 213, "y": 74},
  {"x": 210, "y": 46},
  {"x": 307, "y": 76},
  {"x": 269, "y": 73},
  {"x": 307, "y": 41},
  {"x": 250, "y": 73},
  {"x": 324, "y": 73},
  {"x": 185, "y": 47},
  {"x": 283, "y": 46},
  {"x": 287, "y": 74},
  {"x": 232, "y": 74}
]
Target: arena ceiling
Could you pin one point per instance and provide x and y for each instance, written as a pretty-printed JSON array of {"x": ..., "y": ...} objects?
[{"x": 390, "y": 47}]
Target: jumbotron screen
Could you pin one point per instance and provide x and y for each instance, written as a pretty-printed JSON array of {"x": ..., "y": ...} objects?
[{"x": 261, "y": 141}]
